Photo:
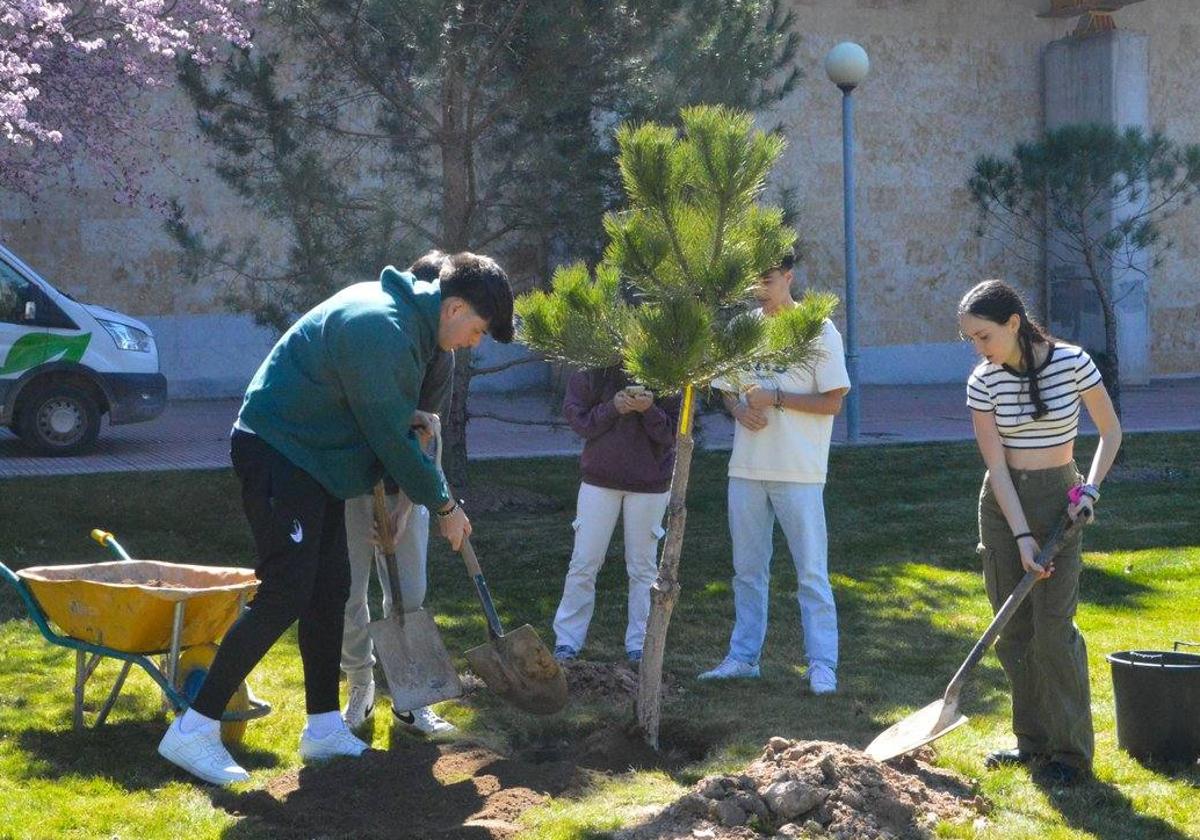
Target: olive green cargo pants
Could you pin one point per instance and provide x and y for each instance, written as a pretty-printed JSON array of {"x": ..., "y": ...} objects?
[{"x": 1041, "y": 649}]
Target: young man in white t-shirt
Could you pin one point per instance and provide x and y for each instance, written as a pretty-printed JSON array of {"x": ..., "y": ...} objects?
[{"x": 777, "y": 471}]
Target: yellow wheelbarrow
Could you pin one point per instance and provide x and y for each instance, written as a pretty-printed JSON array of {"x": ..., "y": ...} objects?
[{"x": 132, "y": 610}]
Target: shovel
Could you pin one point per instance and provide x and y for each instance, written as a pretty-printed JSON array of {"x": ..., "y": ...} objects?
[
  {"x": 942, "y": 716},
  {"x": 407, "y": 644},
  {"x": 516, "y": 666}
]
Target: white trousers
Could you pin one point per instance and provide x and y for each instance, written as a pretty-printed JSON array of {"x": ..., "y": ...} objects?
[
  {"x": 595, "y": 519},
  {"x": 358, "y": 655}
]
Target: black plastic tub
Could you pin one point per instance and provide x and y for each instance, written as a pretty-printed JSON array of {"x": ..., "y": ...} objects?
[{"x": 1157, "y": 695}]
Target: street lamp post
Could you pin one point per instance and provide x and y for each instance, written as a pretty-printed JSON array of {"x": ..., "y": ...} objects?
[{"x": 847, "y": 66}]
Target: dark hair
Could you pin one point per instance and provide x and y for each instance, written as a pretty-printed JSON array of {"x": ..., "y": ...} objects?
[
  {"x": 996, "y": 301},
  {"x": 787, "y": 261},
  {"x": 483, "y": 284},
  {"x": 428, "y": 266}
]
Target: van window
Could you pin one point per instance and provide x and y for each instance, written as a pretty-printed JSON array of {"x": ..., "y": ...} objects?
[{"x": 15, "y": 291}]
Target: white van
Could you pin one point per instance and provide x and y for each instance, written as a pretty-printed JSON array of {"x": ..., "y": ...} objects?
[{"x": 64, "y": 364}]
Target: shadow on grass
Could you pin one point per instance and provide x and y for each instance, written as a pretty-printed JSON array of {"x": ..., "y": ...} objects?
[
  {"x": 418, "y": 790},
  {"x": 125, "y": 753},
  {"x": 1104, "y": 812},
  {"x": 1104, "y": 588}
]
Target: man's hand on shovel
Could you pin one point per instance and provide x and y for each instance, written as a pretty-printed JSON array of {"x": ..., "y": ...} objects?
[{"x": 453, "y": 524}]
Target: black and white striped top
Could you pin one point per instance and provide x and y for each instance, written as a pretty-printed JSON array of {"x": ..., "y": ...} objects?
[{"x": 1067, "y": 372}]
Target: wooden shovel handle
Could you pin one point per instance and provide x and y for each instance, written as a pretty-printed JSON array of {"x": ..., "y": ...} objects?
[
  {"x": 495, "y": 628},
  {"x": 387, "y": 541},
  {"x": 1062, "y": 531}
]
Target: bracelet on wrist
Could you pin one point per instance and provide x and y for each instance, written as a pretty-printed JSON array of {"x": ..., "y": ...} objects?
[
  {"x": 1091, "y": 491},
  {"x": 442, "y": 514},
  {"x": 1022, "y": 535}
]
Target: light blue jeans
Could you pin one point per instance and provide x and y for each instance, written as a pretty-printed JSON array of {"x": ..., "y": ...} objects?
[{"x": 800, "y": 508}]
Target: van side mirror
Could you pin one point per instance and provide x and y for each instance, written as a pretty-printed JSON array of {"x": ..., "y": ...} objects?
[{"x": 30, "y": 310}]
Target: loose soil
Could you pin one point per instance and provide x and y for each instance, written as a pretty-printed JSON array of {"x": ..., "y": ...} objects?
[
  {"x": 424, "y": 790},
  {"x": 611, "y": 683},
  {"x": 457, "y": 792},
  {"x": 818, "y": 789}
]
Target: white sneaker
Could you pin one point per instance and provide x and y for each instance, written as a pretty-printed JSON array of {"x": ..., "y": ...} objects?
[
  {"x": 731, "y": 669},
  {"x": 822, "y": 679},
  {"x": 340, "y": 742},
  {"x": 202, "y": 754},
  {"x": 424, "y": 720},
  {"x": 359, "y": 705}
]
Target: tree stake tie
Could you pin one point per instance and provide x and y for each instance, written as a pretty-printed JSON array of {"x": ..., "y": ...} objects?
[{"x": 685, "y": 414}]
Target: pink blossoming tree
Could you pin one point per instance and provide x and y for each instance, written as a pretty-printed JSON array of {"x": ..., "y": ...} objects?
[{"x": 70, "y": 73}]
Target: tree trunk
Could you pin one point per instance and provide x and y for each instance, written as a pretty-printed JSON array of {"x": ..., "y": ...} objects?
[
  {"x": 665, "y": 591},
  {"x": 454, "y": 457},
  {"x": 1110, "y": 365},
  {"x": 457, "y": 203}
]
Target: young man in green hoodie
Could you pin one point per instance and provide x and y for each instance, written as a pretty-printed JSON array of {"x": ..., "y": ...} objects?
[{"x": 326, "y": 415}]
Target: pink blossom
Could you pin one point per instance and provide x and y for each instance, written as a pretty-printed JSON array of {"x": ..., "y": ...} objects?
[{"x": 70, "y": 71}]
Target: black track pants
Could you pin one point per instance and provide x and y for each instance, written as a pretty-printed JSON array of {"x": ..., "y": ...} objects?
[{"x": 300, "y": 538}]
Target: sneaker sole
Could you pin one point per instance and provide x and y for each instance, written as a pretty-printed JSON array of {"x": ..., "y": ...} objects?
[{"x": 210, "y": 779}]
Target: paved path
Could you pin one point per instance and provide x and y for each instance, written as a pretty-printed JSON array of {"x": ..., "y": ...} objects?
[{"x": 193, "y": 434}]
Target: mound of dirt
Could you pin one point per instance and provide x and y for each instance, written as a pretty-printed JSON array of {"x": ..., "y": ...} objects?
[
  {"x": 458, "y": 792},
  {"x": 608, "y": 682},
  {"x": 817, "y": 789}
]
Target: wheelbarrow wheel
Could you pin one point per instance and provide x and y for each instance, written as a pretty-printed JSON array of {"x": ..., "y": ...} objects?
[{"x": 193, "y": 668}]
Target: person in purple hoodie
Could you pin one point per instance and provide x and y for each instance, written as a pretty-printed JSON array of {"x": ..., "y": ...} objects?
[{"x": 628, "y": 456}]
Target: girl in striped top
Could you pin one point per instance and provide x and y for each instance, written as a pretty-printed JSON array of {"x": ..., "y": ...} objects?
[{"x": 1025, "y": 398}]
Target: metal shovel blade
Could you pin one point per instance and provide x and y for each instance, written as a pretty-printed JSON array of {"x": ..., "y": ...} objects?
[
  {"x": 415, "y": 660},
  {"x": 916, "y": 730},
  {"x": 522, "y": 671}
]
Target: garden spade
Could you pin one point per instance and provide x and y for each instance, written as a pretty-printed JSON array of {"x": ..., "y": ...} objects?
[
  {"x": 407, "y": 643},
  {"x": 515, "y": 665},
  {"x": 942, "y": 716}
]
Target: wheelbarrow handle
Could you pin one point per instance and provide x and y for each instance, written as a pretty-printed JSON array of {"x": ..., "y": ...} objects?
[
  {"x": 1065, "y": 528},
  {"x": 106, "y": 539},
  {"x": 495, "y": 628},
  {"x": 10, "y": 576}
]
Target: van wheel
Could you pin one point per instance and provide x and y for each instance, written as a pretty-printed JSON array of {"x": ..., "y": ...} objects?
[{"x": 58, "y": 419}]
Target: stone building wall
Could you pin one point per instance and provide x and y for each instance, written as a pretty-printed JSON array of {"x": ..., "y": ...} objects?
[{"x": 950, "y": 80}]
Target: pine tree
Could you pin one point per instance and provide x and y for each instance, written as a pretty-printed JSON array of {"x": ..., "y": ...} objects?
[
  {"x": 669, "y": 300},
  {"x": 379, "y": 129},
  {"x": 1094, "y": 196}
]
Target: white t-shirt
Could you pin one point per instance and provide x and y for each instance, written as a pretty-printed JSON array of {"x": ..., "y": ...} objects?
[{"x": 794, "y": 446}]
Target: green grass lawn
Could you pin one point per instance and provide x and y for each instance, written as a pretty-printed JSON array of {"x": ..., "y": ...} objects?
[{"x": 911, "y": 602}]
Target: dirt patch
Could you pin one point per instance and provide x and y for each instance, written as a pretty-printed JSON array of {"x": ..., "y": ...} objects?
[
  {"x": 612, "y": 683},
  {"x": 617, "y": 749},
  {"x": 604, "y": 681},
  {"x": 818, "y": 789},
  {"x": 424, "y": 791},
  {"x": 492, "y": 499}
]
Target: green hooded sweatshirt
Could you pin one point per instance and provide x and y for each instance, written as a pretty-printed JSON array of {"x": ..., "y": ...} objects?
[{"x": 336, "y": 394}]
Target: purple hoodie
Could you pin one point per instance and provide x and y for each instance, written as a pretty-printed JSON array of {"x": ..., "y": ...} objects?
[{"x": 634, "y": 452}]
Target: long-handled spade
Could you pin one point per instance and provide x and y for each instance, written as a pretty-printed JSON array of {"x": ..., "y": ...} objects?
[
  {"x": 407, "y": 643},
  {"x": 942, "y": 716},
  {"x": 516, "y": 665}
]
